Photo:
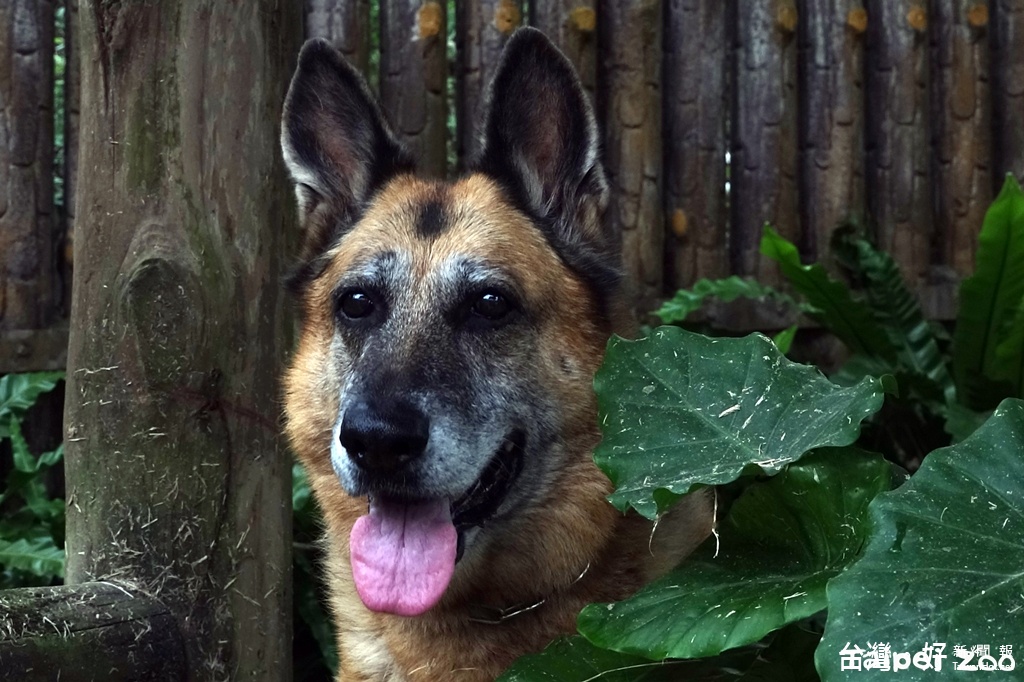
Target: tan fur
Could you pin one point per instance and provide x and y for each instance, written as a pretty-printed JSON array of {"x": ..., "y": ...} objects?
[{"x": 547, "y": 547}]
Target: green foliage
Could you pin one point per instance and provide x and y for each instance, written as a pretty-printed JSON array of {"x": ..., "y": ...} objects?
[
  {"x": 936, "y": 560},
  {"x": 311, "y": 620},
  {"x": 943, "y": 563},
  {"x": 32, "y": 522},
  {"x": 988, "y": 345},
  {"x": 688, "y": 301},
  {"x": 679, "y": 410},
  {"x": 783, "y": 540}
]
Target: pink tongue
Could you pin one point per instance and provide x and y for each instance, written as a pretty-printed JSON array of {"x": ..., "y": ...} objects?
[{"x": 403, "y": 555}]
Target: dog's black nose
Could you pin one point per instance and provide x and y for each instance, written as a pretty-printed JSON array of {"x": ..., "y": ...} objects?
[{"x": 384, "y": 438}]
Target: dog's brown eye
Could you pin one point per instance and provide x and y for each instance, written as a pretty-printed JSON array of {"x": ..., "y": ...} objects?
[
  {"x": 355, "y": 304},
  {"x": 492, "y": 306}
]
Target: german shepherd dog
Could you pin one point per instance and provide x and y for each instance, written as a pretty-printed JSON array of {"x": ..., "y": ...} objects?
[{"x": 440, "y": 397}]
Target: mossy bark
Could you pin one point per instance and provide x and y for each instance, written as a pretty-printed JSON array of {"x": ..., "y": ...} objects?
[
  {"x": 94, "y": 632},
  {"x": 176, "y": 477}
]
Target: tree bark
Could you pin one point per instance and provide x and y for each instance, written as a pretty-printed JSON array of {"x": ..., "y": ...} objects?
[
  {"x": 962, "y": 142},
  {"x": 72, "y": 97},
  {"x": 1008, "y": 88},
  {"x": 346, "y": 23},
  {"x": 897, "y": 175},
  {"x": 176, "y": 478},
  {"x": 572, "y": 26},
  {"x": 413, "y": 77},
  {"x": 764, "y": 157},
  {"x": 629, "y": 107},
  {"x": 27, "y": 272},
  {"x": 481, "y": 31},
  {"x": 831, "y": 120},
  {"x": 696, "y": 54},
  {"x": 94, "y": 632}
]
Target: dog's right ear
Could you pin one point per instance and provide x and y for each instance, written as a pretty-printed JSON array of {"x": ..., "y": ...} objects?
[{"x": 336, "y": 143}]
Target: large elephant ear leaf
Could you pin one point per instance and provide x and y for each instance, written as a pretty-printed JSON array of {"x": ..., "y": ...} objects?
[
  {"x": 944, "y": 560},
  {"x": 989, "y": 299},
  {"x": 680, "y": 410}
]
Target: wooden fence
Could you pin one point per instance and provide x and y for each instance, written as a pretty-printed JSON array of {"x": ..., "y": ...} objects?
[
  {"x": 718, "y": 116},
  {"x": 903, "y": 115}
]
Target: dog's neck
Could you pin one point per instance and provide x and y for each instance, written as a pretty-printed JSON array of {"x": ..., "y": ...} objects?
[{"x": 489, "y": 614}]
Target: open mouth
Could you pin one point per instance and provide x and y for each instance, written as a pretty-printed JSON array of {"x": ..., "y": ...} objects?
[
  {"x": 481, "y": 502},
  {"x": 403, "y": 552}
]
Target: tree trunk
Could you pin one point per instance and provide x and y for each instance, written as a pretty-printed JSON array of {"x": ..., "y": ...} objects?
[
  {"x": 177, "y": 481},
  {"x": 27, "y": 271},
  {"x": 696, "y": 54},
  {"x": 831, "y": 120},
  {"x": 414, "y": 78},
  {"x": 1008, "y": 88},
  {"x": 962, "y": 142},
  {"x": 572, "y": 26},
  {"x": 764, "y": 133},
  {"x": 481, "y": 31},
  {"x": 346, "y": 23},
  {"x": 95, "y": 632},
  {"x": 629, "y": 107},
  {"x": 897, "y": 174}
]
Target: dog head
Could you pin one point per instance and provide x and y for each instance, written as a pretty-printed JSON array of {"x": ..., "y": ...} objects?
[{"x": 450, "y": 330}]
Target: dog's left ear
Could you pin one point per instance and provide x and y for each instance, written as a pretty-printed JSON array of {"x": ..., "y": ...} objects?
[{"x": 540, "y": 141}]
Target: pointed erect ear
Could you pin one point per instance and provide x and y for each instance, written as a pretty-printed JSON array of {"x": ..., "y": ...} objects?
[
  {"x": 336, "y": 143},
  {"x": 541, "y": 140}
]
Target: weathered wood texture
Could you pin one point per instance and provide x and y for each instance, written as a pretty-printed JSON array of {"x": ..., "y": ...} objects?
[
  {"x": 831, "y": 119},
  {"x": 629, "y": 107},
  {"x": 897, "y": 170},
  {"x": 764, "y": 136},
  {"x": 27, "y": 280},
  {"x": 695, "y": 112},
  {"x": 961, "y": 128},
  {"x": 176, "y": 480},
  {"x": 1008, "y": 87},
  {"x": 346, "y": 23},
  {"x": 413, "y": 77},
  {"x": 481, "y": 31},
  {"x": 94, "y": 632},
  {"x": 572, "y": 25},
  {"x": 72, "y": 98}
]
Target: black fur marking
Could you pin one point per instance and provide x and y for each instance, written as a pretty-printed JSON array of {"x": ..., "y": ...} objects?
[{"x": 433, "y": 218}]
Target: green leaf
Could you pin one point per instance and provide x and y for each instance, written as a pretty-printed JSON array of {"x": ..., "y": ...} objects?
[
  {"x": 784, "y": 339},
  {"x": 38, "y": 556},
  {"x": 688, "y": 301},
  {"x": 782, "y": 542},
  {"x": 784, "y": 657},
  {"x": 944, "y": 560},
  {"x": 845, "y": 316},
  {"x": 576, "y": 660},
  {"x": 988, "y": 301},
  {"x": 18, "y": 392},
  {"x": 679, "y": 410},
  {"x": 962, "y": 421},
  {"x": 898, "y": 311}
]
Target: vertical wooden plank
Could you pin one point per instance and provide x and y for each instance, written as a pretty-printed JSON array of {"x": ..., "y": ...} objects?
[
  {"x": 177, "y": 480},
  {"x": 764, "y": 135},
  {"x": 897, "y": 171},
  {"x": 72, "y": 97},
  {"x": 831, "y": 119},
  {"x": 346, "y": 23},
  {"x": 629, "y": 106},
  {"x": 481, "y": 29},
  {"x": 1008, "y": 88},
  {"x": 962, "y": 142},
  {"x": 413, "y": 77},
  {"x": 696, "y": 57},
  {"x": 26, "y": 164},
  {"x": 572, "y": 26}
]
